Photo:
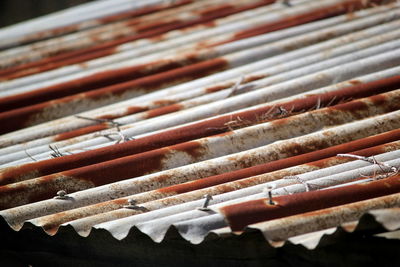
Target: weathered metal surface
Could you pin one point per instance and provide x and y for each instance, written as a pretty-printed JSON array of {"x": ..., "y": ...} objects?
[
  {"x": 199, "y": 170},
  {"x": 242, "y": 214},
  {"x": 96, "y": 33},
  {"x": 117, "y": 76},
  {"x": 111, "y": 47},
  {"x": 210, "y": 185},
  {"x": 273, "y": 92},
  {"x": 156, "y": 223},
  {"x": 256, "y": 116},
  {"x": 107, "y": 63},
  {"x": 119, "y": 36},
  {"x": 279, "y": 230},
  {"x": 122, "y": 29},
  {"x": 77, "y": 122},
  {"x": 97, "y": 54},
  {"x": 73, "y": 19},
  {"x": 207, "y": 114}
]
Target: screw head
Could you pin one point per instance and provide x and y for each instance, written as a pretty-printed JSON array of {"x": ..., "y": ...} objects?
[
  {"x": 132, "y": 201},
  {"x": 61, "y": 193}
]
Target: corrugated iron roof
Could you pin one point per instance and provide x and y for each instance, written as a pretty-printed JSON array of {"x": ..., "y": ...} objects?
[{"x": 210, "y": 117}]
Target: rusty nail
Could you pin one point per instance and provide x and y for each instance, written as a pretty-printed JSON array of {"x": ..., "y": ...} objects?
[
  {"x": 208, "y": 198},
  {"x": 269, "y": 192}
]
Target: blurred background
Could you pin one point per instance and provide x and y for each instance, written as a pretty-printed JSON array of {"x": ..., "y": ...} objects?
[{"x": 14, "y": 11}]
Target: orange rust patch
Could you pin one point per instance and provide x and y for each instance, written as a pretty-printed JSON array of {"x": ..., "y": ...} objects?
[
  {"x": 291, "y": 21},
  {"x": 81, "y": 131},
  {"x": 157, "y": 81},
  {"x": 54, "y": 62},
  {"x": 251, "y": 78},
  {"x": 215, "y": 11},
  {"x": 217, "y": 88},
  {"x": 128, "y": 111},
  {"x": 193, "y": 148},
  {"x": 163, "y": 110},
  {"x": 156, "y": 25},
  {"x": 355, "y": 82},
  {"x": 141, "y": 12},
  {"x": 121, "y": 168},
  {"x": 163, "y": 103},
  {"x": 350, "y": 106},
  {"x": 379, "y": 99},
  {"x": 243, "y": 214},
  {"x": 37, "y": 189}
]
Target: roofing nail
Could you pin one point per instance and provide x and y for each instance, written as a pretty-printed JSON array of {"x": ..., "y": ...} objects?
[
  {"x": 62, "y": 194},
  {"x": 208, "y": 198},
  {"x": 269, "y": 192},
  {"x": 133, "y": 206}
]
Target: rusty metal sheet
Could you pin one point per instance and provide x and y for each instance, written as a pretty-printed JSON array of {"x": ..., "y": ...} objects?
[
  {"x": 171, "y": 120},
  {"x": 203, "y": 119},
  {"x": 101, "y": 65},
  {"x": 214, "y": 185},
  {"x": 39, "y": 129}
]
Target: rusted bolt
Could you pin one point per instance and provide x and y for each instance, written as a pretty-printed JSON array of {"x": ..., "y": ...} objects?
[{"x": 207, "y": 200}]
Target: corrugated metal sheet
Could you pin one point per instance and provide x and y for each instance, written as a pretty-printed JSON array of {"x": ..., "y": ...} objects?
[{"x": 208, "y": 117}]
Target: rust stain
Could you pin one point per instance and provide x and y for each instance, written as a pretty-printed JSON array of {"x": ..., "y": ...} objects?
[
  {"x": 81, "y": 131},
  {"x": 128, "y": 111},
  {"x": 194, "y": 131},
  {"x": 381, "y": 99},
  {"x": 51, "y": 63},
  {"x": 51, "y": 223},
  {"x": 101, "y": 21},
  {"x": 213, "y": 11},
  {"x": 295, "y": 20},
  {"x": 18, "y": 118},
  {"x": 355, "y": 82},
  {"x": 351, "y": 106},
  {"x": 108, "y": 48},
  {"x": 142, "y": 11},
  {"x": 252, "y": 78},
  {"x": 163, "y": 110},
  {"x": 94, "y": 81},
  {"x": 162, "y": 102},
  {"x": 320, "y": 158},
  {"x": 193, "y": 148},
  {"x": 243, "y": 214},
  {"x": 37, "y": 189},
  {"x": 95, "y": 175},
  {"x": 217, "y": 88},
  {"x": 32, "y": 115},
  {"x": 160, "y": 80},
  {"x": 157, "y": 25},
  {"x": 121, "y": 168}
]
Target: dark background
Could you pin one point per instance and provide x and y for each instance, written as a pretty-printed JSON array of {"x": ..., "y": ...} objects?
[{"x": 14, "y": 11}]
